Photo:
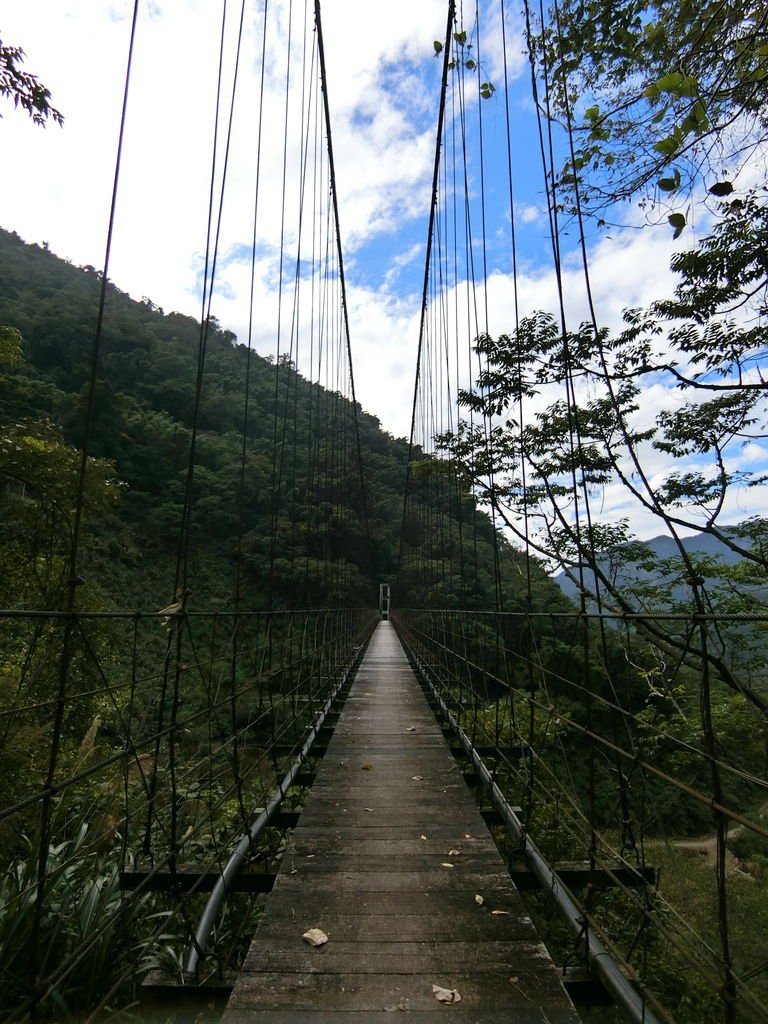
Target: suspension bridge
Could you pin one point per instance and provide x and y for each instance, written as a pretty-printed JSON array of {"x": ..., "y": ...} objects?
[
  {"x": 393, "y": 860},
  {"x": 285, "y": 802}
]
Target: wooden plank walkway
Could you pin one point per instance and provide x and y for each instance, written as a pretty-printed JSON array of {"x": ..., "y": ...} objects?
[{"x": 388, "y": 860}]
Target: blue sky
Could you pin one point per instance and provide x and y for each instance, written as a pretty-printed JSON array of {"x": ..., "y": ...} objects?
[{"x": 383, "y": 87}]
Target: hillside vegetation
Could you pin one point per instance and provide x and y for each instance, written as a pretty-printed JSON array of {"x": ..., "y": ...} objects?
[{"x": 278, "y": 496}]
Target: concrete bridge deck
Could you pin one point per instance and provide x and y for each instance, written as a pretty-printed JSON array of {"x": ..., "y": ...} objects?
[{"x": 390, "y": 860}]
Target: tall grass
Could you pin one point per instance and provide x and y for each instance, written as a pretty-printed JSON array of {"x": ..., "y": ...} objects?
[{"x": 87, "y": 933}]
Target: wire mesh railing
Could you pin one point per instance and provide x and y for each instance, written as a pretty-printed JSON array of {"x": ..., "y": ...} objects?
[
  {"x": 614, "y": 786},
  {"x": 125, "y": 792}
]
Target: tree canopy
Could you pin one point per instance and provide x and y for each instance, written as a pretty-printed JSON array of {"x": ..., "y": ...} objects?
[
  {"x": 664, "y": 99},
  {"x": 297, "y": 514},
  {"x": 24, "y": 89},
  {"x": 664, "y": 104}
]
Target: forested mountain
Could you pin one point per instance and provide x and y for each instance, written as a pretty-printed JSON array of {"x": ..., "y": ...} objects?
[
  {"x": 656, "y": 566},
  {"x": 286, "y": 510}
]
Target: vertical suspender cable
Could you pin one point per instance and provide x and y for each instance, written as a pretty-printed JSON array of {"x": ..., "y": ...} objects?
[
  {"x": 73, "y": 580},
  {"x": 342, "y": 280},
  {"x": 428, "y": 258}
]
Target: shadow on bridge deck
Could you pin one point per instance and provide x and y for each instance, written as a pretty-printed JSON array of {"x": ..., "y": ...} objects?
[{"x": 389, "y": 859}]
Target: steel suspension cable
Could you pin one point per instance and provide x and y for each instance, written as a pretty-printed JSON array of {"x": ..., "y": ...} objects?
[
  {"x": 427, "y": 265},
  {"x": 342, "y": 279},
  {"x": 74, "y": 580}
]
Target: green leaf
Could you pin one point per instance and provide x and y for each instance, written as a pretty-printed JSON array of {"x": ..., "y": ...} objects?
[
  {"x": 592, "y": 113},
  {"x": 669, "y": 82},
  {"x": 667, "y": 146},
  {"x": 696, "y": 120},
  {"x": 675, "y": 82},
  {"x": 721, "y": 188},
  {"x": 437, "y": 45},
  {"x": 460, "y": 37},
  {"x": 677, "y": 220},
  {"x": 688, "y": 87},
  {"x": 668, "y": 184}
]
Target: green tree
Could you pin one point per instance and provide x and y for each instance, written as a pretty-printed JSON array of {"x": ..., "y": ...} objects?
[
  {"x": 601, "y": 436},
  {"x": 661, "y": 96},
  {"x": 662, "y": 102},
  {"x": 24, "y": 89},
  {"x": 10, "y": 346}
]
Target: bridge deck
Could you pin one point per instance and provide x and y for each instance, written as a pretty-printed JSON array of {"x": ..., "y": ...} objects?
[{"x": 388, "y": 859}]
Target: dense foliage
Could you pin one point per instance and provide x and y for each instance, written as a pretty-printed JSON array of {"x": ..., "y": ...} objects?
[
  {"x": 658, "y": 715},
  {"x": 285, "y": 510},
  {"x": 663, "y": 98},
  {"x": 660, "y": 103},
  {"x": 170, "y": 735},
  {"x": 24, "y": 89}
]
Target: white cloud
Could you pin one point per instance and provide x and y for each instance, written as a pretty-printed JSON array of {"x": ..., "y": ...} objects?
[
  {"x": 58, "y": 188},
  {"x": 404, "y": 259},
  {"x": 492, "y": 56},
  {"x": 55, "y": 184},
  {"x": 529, "y": 214}
]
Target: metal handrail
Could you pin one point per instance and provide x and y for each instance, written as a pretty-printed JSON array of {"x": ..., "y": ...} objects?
[
  {"x": 599, "y": 957},
  {"x": 223, "y": 884}
]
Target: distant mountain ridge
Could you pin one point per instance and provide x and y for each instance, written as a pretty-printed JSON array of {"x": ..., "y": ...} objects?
[{"x": 663, "y": 547}]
